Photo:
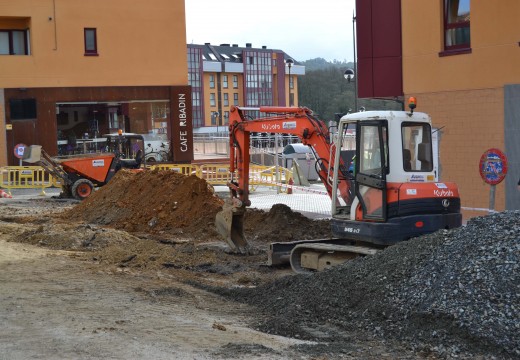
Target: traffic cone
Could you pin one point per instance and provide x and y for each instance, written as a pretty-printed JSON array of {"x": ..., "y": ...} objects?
[
  {"x": 289, "y": 188},
  {"x": 3, "y": 194}
]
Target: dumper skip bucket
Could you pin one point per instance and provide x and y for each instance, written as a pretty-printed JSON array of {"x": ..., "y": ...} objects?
[
  {"x": 230, "y": 225},
  {"x": 32, "y": 154}
]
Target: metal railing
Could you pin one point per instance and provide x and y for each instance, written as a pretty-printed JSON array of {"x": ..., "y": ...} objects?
[{"x": 35, "y": 177}]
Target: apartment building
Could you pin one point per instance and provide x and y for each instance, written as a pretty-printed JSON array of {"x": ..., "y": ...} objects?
[
  {"x": 225, "y": 75},
  {"x": 459, "y": 58},
  {"x": 73, "y": 69}
]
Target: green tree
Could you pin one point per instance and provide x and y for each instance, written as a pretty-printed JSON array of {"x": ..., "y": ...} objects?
[{"x": 326, "y": 92}]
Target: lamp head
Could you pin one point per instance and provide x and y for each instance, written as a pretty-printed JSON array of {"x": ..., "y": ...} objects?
[{"x": 349, "y": 75}]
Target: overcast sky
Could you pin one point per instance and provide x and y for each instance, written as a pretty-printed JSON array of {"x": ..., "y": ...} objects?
[{"x": 304, "y": 29}]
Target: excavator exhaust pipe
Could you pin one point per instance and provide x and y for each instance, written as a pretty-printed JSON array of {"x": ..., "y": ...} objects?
[{"x": 230, "y": 225}]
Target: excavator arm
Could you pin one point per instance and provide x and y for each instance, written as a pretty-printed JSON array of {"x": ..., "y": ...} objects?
[{"x": 298, "y": 121}]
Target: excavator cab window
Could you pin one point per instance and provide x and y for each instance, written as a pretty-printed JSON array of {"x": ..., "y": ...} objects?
[
  {"x": 348, "y": 150},
  {"x": 417, "y": 147},
  {"x": 371, "y": 148}
]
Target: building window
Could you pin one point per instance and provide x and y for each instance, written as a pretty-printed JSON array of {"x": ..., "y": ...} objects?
[
  {"x": 212, "y": 99},
  {"x": 225, "y": 81},
  {"x": 235, "y": 81},
  {"x": 14, "y": 42},
  {"x": 226, "y": 99},
  {"x": 195, "y": 80},
  {"x": 235, "y": 99},
  {"x": 22, "y": 109},
  {"x": 456, "y": 25},
  {"x": 214, "y": 117},
  {"x": 291, "y": 82},
  {"x": 226, "y": 117},
  {"x": 212, "y": 81},
  {"x": 90, "y": 42}
]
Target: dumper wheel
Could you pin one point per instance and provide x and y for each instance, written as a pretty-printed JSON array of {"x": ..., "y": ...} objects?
[{"x": 82, "y": 189}]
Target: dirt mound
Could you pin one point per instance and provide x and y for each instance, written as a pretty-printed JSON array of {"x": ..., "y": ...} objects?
[
  {"x": 170, "y": 204},
  {"x": 152, "y": 202},
  {"x": 282, "y": 224}
]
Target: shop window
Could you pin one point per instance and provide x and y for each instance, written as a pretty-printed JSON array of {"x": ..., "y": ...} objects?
[
  {"x": 456, "y": 26},
  {"x": 14, "y": 42},
  {"x": 90, "y": 42}
]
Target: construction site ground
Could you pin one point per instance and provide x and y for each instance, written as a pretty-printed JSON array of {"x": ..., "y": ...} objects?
[{"x": 138, "y": 271}]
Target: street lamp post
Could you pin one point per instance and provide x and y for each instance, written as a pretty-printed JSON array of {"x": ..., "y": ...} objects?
[
  {"x": 290, "y": 63},
  {"x": 355, "y": 63}
]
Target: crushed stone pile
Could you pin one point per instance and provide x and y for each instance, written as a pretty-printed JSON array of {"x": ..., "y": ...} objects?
[{"x": 454, "y": 294}]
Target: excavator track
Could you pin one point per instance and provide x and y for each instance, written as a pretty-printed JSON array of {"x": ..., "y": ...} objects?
[{"x": 316, "y": 255}]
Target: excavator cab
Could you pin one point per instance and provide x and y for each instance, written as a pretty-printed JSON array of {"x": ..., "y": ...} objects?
[{"x": 397, "y": 195}]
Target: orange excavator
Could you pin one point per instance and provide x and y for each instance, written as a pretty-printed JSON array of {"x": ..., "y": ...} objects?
[{"x": 377, "y": 167}]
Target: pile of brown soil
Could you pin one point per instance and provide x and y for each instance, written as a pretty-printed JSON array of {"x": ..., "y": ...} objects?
[
  {"x": 171, "y": 205},
  {"x": 281, "y": 224},
  {"x": 154, "y": 202}
]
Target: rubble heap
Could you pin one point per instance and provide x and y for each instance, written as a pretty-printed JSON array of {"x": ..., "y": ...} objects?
[{"x": 453, "y": 293}]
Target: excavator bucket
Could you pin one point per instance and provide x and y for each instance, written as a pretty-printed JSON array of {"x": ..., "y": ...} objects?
[{"x": 230, "y": 225}]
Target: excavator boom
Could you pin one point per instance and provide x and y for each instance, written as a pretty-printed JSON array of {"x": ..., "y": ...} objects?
[{"x": 297, "y": 121}]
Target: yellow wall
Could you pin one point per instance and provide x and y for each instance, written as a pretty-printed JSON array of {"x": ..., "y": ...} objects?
[
  {"x": 471, "y": 123},
  {"x": 495, "y": 53},
  {"x": 463, "y": 93},
  {"x": 139, "y": 43}
]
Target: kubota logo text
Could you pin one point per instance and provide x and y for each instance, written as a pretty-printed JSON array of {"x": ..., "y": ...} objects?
[{"x": 442, "y": 193}]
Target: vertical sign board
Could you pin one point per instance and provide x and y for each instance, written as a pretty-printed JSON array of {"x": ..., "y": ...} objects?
[{"x": 181, "y": 124}]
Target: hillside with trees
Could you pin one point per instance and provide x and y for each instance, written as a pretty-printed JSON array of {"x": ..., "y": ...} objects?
[{"x": 325, "y": 90}]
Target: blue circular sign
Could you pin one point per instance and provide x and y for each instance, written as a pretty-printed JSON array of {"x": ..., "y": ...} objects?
[
  {"x": 493, "y": 166},
  {"x": 19, "y": 150}
]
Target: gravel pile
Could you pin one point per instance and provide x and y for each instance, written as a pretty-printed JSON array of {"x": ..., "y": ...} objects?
[{"x": 451, "y": 294}]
